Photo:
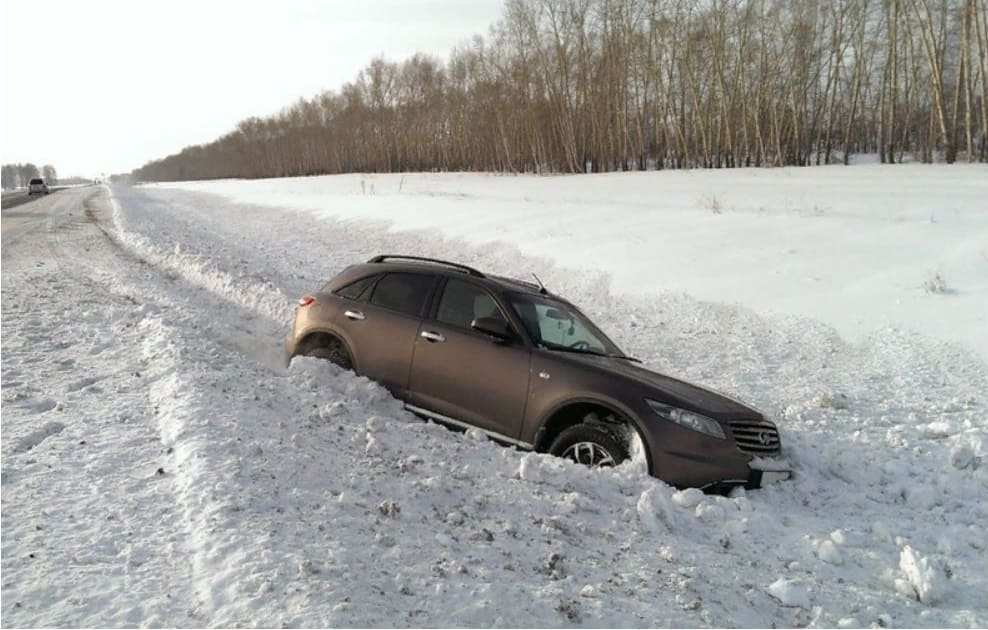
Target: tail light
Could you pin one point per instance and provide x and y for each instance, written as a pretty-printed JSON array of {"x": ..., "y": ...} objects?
[{"x": 305, "y": 300}]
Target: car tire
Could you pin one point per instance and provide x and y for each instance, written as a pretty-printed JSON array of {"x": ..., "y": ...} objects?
[
  {"x": 593, "y": 445},
  {"x": 334, "y": 352}
]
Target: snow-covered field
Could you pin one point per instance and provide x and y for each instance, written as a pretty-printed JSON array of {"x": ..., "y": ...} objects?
[
  {"x": 159, "y": 466},
  {"x": 858, "y": 248}
]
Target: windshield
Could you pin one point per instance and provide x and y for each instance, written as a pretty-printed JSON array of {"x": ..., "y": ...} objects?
[{"x": 559, "y": 326}]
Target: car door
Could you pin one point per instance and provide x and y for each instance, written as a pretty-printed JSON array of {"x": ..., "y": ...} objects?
[
  {"x": 382, "y": 330},
  {"x": 466, "y": 375}
]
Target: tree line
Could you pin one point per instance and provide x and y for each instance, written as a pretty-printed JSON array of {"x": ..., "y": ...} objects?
[
  {"x": 18, "y": 175},
  {"x": 602, "y": 85}
]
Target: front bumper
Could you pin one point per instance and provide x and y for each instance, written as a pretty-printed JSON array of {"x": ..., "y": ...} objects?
[
  {"x": 756, "y": 479},
  {"x": 689, "y": 459},
  {"x": 762, "y": 478}
]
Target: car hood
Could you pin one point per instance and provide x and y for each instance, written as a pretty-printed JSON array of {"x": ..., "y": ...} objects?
[{"x": 671, "y": 391}]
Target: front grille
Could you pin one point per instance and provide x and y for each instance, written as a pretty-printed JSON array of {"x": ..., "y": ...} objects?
[{"x": 757, "y": 437}]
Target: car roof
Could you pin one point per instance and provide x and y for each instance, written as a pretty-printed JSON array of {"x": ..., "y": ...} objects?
[{"x": 448, "y": 269}]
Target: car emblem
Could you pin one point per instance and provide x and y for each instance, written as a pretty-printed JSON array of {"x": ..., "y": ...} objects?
[{"x": 764, "y": 438}]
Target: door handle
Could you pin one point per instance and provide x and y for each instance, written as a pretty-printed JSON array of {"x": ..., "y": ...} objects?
[
  {"x": 355, "y": 315},
  {"x": 432, "y": 336}
]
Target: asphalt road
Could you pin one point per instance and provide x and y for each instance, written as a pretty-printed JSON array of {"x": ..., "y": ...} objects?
[
  {"x": 20, "y": 197},
  {"x": 14, "y": 199},
  {"x": 26, "y": 213}
]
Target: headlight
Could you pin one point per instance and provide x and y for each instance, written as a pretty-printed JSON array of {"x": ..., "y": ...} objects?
[{"x": 689, "y": 419}]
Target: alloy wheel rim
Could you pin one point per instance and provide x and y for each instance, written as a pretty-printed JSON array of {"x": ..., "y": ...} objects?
[{"x": 589, "y": 454}]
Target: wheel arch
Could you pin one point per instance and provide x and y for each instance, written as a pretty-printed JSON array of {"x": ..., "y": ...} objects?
[
  {"x": 319, "y": 337},
  {"x": 571, "y": 412}
]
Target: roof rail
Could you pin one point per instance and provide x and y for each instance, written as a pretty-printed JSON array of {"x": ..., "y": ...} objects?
[
  {"x": 468, "y": 270},
  {"x": 527, "y": 283}
]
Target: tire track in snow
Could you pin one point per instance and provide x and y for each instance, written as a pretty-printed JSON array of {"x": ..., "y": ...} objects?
[
  {"x": 265, "y": 300},
  {"x": 100, "y": 507},
  {"x": 33, "y": 439},
  {"x": 173, "y": 392},
  {"x": 186, "y": 434},
  {"x": 122, "y": 261}
]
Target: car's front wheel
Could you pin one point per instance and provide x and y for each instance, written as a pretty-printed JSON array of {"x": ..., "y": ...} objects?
[{"x": 589, "y": 444}]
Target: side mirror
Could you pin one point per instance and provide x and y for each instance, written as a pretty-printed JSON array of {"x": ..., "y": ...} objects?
[{"x": 493, "y": 326}]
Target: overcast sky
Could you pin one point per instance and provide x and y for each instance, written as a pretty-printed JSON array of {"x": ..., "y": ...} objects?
[{"x": 103, "y": 86}]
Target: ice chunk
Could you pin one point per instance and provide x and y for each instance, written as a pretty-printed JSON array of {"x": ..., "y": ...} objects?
[
  {"x": 790, "y": 592},
  {"x": 710, "y": 512},
  {"x": 925, "y": 575},
  {"x": 654, "y": 509},
  {"x": 829, "y": 553},
  {"x": 540, "y": 469},
  {"x": 688, "y": 498},
  {"x": 476, "y": 435}
]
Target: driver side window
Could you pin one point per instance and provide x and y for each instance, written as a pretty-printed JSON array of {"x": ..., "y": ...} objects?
[
  {"x": 463, "y": 302},
  {"x": 563, "y": 332},
  {"x": 555, "y": 325}
]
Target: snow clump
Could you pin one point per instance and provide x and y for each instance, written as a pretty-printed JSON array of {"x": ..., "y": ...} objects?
[
  {"x": 925, "y": 576},
  {"x": 793, "y": 593}
]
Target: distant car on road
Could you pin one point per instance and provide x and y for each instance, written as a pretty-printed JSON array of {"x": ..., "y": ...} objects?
[
  {"x": 37, "y": 185},
  {"x": 526, "y": 367}
]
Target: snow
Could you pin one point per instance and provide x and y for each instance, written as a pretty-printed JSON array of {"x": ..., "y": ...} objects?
[
  {"x": 924, "y": 576},
  {"x": 827, "y": 551},
  {"x": 794, "y": 593},
  {"x": 161, "y": 468},
  {"x": 860, "y": 248}
]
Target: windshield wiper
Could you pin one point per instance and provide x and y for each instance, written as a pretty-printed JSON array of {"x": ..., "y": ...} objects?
[
  {"x": 588, "y": 351},
  {"x": 627, "y": 358}
]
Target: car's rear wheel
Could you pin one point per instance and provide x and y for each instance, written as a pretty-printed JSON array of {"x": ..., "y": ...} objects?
[
  {"x": 333, "y": 351},
  {"x": 591, "y": 445}
]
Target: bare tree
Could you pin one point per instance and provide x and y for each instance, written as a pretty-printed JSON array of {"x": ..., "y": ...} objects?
[
  {"x": 602, "y": 85},
  {"x": 26, "y": 173}
]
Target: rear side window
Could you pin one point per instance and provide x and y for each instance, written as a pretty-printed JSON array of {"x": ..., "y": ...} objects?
[
  {"x": 357, "y": 290},
  {"x": 403, "y": 292}
]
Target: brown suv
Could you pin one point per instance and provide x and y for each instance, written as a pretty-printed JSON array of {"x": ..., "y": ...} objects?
[{"x": 526, "y": 367}]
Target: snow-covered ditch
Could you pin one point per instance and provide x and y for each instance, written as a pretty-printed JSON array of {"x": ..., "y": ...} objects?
[{"x": 242, "y": 493}]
